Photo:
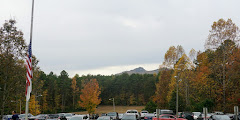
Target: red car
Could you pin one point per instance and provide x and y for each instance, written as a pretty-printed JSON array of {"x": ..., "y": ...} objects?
[{"x": 167, "y": 117}]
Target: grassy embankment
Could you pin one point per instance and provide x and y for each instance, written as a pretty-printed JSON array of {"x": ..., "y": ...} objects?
[{"x": 119, "y": 109}]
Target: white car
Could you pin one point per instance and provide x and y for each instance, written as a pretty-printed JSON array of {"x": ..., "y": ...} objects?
[
  {"x": 79, "y": 117},
  {"x": 195, "y": 115},
  {"x": 143, "y": 113},
  {"x": 133, "y": 112},
  {"x": 105, "y": 118},
  {"x": 68, "y": 115}
]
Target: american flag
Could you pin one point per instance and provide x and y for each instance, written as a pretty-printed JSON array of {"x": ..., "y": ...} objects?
[{"x": 29, "y": 72}]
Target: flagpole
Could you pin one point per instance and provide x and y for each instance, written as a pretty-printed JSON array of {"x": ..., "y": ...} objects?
[{"x": 27, "y": 100}]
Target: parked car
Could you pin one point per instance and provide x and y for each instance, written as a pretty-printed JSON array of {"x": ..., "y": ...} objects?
[
  {"x": 231, "y": 116},
  {"x": 149, "y": 116},
  {"x": 22, "y": 116},
  {"x": 61, "y": 116},
  {"x": 195, "y": 115},
  {"x": 120, "y": 116},
  {"x": 79, "y": 117},
  {"x": 103, "y": 114},
  {"x": 201, "y": 116},
  {"x": 129, "y": 117},
  {"x": 39, "y": 117},
  {"x": 218, "y": 113},
  {"x": 165, "y": 111},
  {"x": 143, "y": 113},
  {"x": 167, "y": 117},
  {"x": 219, "y": 117},
  {"x": 68, "y": 115},
  {"x": 105, "y": 118},
  {"x": 52, "y": 117},
  {"x": 94, "y": 116},
  {"x": 187, "y": 115},
  {"x": 133, "y": 112},
  {"x": 7, "y": 117},
  {"x": 114, "y": 115}
]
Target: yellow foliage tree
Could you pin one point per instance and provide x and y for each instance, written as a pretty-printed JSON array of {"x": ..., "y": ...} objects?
[
  {"x": 34, "y": 107},
  {"x": 45, "y": 104},
  {"x": 89, "y": 99},
  {"x": 75, "y": 89},
  {"x": 181, "y": 71}
]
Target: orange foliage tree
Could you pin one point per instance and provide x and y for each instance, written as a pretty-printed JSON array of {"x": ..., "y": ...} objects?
[
  {"x": 89, "y": 99},
  {"x": 162, "y": 88}
]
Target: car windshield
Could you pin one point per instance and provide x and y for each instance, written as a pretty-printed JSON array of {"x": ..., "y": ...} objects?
[
  {"x": 129, "y": 117},
  {"x": 144, "y": 112},
  {"x": 40, "y": 116},
  {"x": 112, "y": 114},
  {"x": 68, "y": 115},
  {"x": 22, "y": 115},
  {"x": 196, "y": 113},
  {"x": 166, "y": 116},
  {"x": 222, "y": 117},
  {"x": 166, "y": 111},
  {"x": 149, "y": 115},
  {"x": 53, "y": 116},
  {"x": 76, "y": 118}
]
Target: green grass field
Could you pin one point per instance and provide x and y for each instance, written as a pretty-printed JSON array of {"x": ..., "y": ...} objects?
[{"x": 119, "y": 109}]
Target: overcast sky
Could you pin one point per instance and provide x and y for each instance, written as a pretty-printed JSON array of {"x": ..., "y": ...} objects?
[{"x": 111, "y": 36}]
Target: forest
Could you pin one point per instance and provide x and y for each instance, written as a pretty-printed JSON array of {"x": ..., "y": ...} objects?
[{"x": 208, "y": 78}]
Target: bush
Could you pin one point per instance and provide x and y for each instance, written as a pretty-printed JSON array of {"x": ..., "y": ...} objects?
[{"x": 151, "y": 107}]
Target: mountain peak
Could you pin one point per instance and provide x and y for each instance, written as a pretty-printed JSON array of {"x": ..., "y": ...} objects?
[{"x": 140, "y": 70}]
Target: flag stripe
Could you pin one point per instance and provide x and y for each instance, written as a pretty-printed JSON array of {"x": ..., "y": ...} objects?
[{"x": 29, "y": 72}]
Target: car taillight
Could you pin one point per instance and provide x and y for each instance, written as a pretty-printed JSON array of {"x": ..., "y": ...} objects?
[{"x": 145, "y": 118}]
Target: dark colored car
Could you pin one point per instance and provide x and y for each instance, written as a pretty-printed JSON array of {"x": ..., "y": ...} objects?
[
  {"x": 94, "y": 116},
  {"x": 149, "y": 116},
  {"x": 187, "y": 115},
  {"x": 104, "y": 114}
]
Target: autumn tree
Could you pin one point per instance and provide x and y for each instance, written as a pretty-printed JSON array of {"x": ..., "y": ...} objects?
[
  {"x": 34, "y": 106},
  {"x": 45, "y": 103},
  {"x": 222, "y": 30},
  {"x": 74, "y": 88},
  {"x": 192, "y": 54},
  {"x": 12, "y": 71},
  {"x": 172, "y": 55},
  {"x": 89, "y": 99},
  {"x": 182, "y": 72},
  {"x": 162, "y": 88}
]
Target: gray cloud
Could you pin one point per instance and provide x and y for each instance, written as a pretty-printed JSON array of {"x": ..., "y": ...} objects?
[{"x": 83, "y": 35}]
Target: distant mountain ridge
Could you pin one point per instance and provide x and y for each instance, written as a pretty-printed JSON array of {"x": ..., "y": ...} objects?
[{"x": 140, "y": 70}]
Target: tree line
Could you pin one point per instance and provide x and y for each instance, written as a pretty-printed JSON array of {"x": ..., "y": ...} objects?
[{"x": 207, "y": 78}]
